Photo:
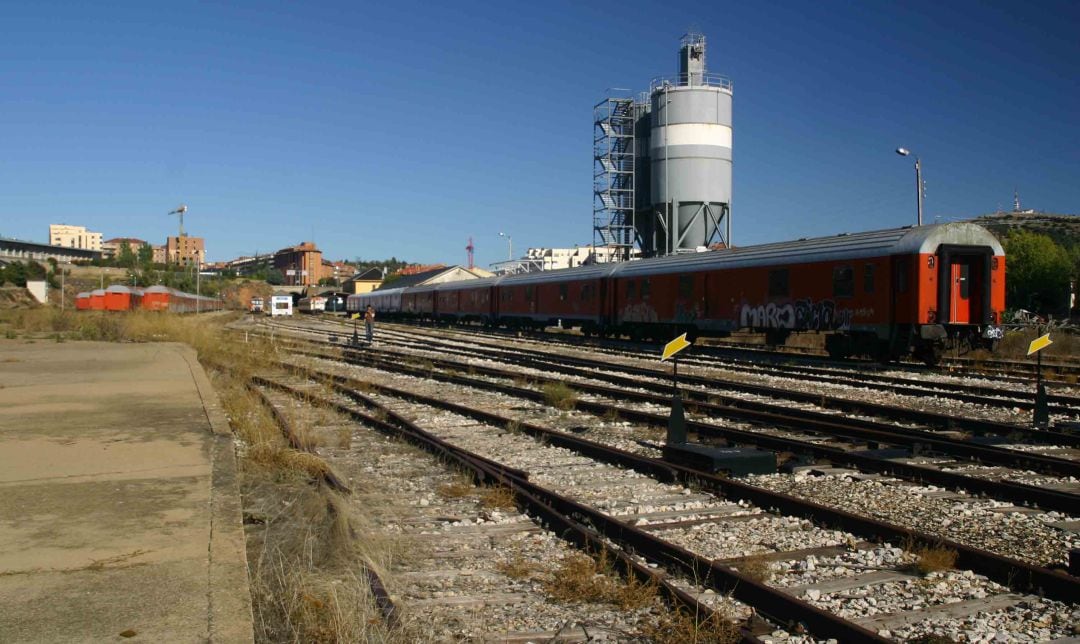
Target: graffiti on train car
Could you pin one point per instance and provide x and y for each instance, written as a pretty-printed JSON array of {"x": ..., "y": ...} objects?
[{"x": 822, "y": 315}]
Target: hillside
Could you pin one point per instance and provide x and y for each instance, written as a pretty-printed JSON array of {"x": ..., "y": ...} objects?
[{"x": 1063, "y": 229}]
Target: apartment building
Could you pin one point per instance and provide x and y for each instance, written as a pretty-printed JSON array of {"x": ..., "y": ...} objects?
[{"x": 74, "y": 237}]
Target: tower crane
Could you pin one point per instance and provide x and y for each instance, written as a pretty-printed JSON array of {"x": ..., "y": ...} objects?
[{"x": 180, "y": 211}]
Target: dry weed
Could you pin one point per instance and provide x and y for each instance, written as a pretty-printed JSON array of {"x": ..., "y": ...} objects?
[
  {"x": 935, "y": 559},
  {"x": 518, "y": 568},
  {"x": 755, "y": 567},
  {"x": 581, "y": 578},
  {"x": 559, "y": 395},
  {"x": 678, "y": 627},
  {"x": 497, "y": 497}
]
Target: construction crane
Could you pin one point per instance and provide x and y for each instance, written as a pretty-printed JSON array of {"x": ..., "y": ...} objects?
[
  {"x": 180, "y": 211},
  {"x": 470, "y": 250}
]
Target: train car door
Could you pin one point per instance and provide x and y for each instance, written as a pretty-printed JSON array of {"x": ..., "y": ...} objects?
[
  {"x": 964, "y": 284},
  {"x": 961, "y": 293}
]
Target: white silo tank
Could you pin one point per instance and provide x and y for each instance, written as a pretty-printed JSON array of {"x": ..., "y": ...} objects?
[{"x": 689, "y": 156}]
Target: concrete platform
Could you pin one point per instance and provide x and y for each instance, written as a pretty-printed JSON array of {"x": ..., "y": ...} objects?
[{"x": 120, "y": 516}]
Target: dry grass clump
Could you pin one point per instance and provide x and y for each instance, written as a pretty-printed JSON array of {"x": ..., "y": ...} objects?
[
  {"x": 285, "y": 460},
  {"x": 581, "y": 578},
  {"x": 935, "y": 559},
  {"x": 458, "y": 489},
  {"x": 497, "y": 497},
  {"x": 518, "y": 568},
  {"x": 559, "y": 395},
  {"x": 679, "y": 627},
  {"x": 755, "y": 567},
  {"x": 308, "y": 572}
]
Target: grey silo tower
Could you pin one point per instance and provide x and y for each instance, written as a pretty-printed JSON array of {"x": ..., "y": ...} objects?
[{"x": 683, "y": 168}]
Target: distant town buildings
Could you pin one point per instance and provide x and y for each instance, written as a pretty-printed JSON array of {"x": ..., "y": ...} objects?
[
  {"x": 363, "y": 282},
  {"x": 338, "y": 270},
  {"x": 74, "y": 237},
  {"x": 110, "y": 248},
  {"x": 185, "y": 250},
  {"x": 551, "y": 259}
]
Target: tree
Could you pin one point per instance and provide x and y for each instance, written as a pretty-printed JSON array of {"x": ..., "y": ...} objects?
[
  {"x": 125, "y": 258},
  {"x": 1037, "y": 273},
  {"x": 146, "y": 256},
  {"x": 328, "y": 281},
  {"x": 274, "y": 276}
]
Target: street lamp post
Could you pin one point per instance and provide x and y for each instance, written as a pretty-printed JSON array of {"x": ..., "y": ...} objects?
[
  {"x": 918, "y": 179},
  {"x": 510, "y": 246}
]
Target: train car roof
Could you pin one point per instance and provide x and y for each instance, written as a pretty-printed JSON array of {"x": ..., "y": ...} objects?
[
  {"x": 877, "y": 243},
  {"x": 158, "y": 289},
  {"x": 464, "y": 284},
  {"x": 382, "y": 291}
]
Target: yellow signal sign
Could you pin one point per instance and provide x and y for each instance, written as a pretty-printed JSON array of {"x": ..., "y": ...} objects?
[
  {"x": 675, "y": 346},
  {"x": 356, "y": 316},
  {"x": 1038, "y": 344}
]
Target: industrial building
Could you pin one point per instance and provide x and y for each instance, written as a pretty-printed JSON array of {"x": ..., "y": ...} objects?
[
  {"x": 662, "y": 163},
  {"x": 74, "y": 237}
]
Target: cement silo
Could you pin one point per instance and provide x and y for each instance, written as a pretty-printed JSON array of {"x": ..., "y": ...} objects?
[{"x": 681, "y": 135}]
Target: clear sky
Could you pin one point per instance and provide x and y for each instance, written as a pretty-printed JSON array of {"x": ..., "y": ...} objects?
[{"x": 402, "y": 128}]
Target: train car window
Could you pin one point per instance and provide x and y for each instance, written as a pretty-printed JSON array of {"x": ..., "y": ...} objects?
[
  {"x": 630, "y": 294},
  {"x": 686, "y": 286},
  {"x": 868, "y": 279},
  {"x": 529, "y": 293},
  {"x": 646, "y": 288},
  {"x": 562, "y": 292},
  {"x": 843, "y": 281},
  {"x": 586, "y": 292},
  {"x": 778, "y": 283},
  {"x": 902, "y": 276}
]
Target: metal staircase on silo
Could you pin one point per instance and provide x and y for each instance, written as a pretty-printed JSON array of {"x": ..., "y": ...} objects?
[{"x": 613, "y": 176}]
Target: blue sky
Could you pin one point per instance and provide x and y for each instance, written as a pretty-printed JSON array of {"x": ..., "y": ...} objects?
[{"x": 404, "y": 128}]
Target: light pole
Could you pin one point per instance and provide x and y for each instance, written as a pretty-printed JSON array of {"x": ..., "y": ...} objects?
[
  {"x": 918, "y": 179},
  {"x": 510, "y": 246}
]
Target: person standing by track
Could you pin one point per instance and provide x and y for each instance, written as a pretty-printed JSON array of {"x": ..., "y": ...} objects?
[{"x": 369, "y": 323}]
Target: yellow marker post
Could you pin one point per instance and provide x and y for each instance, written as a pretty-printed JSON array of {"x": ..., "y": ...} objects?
[
  {"x": 675, "y": 346},
  {"x": 676, "y": 433},
  {"x": 1038, "y": 344},
  {"x": 1041, "y": 417}
]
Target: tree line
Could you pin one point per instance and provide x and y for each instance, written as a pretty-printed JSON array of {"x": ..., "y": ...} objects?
[{"x": 1039, "y": 271}]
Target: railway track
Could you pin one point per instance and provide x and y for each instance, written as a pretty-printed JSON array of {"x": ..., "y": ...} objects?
[
  {"x": 993, "y": 482},
  {"x": 1011, "y": 392},
  {"x": 1018, "y": 372},
  {"x": 925, "y": 427},
  {"x": 842, "y": 595}
]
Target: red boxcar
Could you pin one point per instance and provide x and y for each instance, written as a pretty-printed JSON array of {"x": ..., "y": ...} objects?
[
  {"x": 97, "y": 299},
  {"x": 82, "y": 301},
  {"x": 119, "y": 297}
]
